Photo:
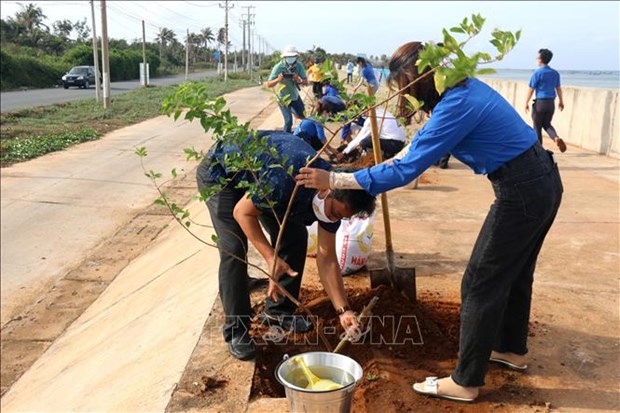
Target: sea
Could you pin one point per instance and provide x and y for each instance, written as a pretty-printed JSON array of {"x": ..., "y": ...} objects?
[{"x": 606, "y": 79}]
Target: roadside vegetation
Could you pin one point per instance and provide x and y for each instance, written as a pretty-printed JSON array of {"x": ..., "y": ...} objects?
[{"x": 29, "y": 133}]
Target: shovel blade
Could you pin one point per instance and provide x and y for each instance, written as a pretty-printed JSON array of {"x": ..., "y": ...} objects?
[
  {"x": 379, "y": 276},
  {"x": 404, "y": 280}
]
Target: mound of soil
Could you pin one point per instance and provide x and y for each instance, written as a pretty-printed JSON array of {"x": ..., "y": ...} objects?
[{"x": 413, "y": 341}]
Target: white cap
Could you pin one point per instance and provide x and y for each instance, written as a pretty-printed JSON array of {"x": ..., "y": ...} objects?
[{"x": 290, "y": 51}]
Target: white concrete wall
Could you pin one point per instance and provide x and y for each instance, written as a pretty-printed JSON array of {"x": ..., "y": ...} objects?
[{"x": 590, "y": 120}]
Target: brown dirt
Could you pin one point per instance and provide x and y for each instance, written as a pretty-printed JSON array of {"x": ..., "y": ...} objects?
[{"x": 390, "y": 369}]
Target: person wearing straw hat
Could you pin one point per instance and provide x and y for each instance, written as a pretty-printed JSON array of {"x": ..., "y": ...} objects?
[{"x": 285, "y": 77}]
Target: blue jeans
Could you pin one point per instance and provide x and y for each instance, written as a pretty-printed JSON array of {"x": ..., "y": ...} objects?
[
  {"x": 296, "y": 106},
  {"x": 496, "y": 290}
]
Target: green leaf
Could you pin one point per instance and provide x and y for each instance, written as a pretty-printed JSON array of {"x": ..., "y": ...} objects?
[
  {"x": 440, "y": 82},
  {"x": 141, "y": 151},
  {"x": 486, "y": 71},
  {"x": 174, "y": 172},
  {"x": 415, "y": 103},
  {"x": 160, "y": 202}
]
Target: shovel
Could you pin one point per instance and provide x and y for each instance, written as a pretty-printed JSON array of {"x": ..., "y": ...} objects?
[
  {"x": 403, "y": 279},
  {"x": 316, "y": 383}
]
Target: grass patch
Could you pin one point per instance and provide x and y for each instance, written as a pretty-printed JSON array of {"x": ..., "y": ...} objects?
[{"x": 29, "y": 133}]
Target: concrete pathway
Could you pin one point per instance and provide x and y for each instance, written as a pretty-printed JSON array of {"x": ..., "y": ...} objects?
[
  {"x": 57, "y": 208},
  {"x": 128, "y": 350}
]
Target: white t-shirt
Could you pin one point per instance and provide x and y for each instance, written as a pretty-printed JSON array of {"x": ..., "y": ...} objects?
[{"x": 389, "y": 130}]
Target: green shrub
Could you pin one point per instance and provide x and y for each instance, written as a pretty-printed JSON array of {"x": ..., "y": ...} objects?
[
  {"x": 20, "y": 71},
  {"x": 20, "y": 149}
]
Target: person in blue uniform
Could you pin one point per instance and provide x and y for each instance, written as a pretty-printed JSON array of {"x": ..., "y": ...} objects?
[
  {"x": 546, "y": 83},
  {"x": 237, "y": 218},
  {"x": 313, "y": 132},
  {"x": 367, "y": 74},
  {"x": 481, "y": 129}
]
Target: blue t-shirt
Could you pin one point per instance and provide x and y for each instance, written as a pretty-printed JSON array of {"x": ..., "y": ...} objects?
[
  {"x": 311, "y": 127},
  {"x": 368, "y": 73},
  {"x": 330, "y": 91},
  {"x": 544, "y": 81},
  {"x": 297, "y": 153},
  {"x": 472, "y": 122}
]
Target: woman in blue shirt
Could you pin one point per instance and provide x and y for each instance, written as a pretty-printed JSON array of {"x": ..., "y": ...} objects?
[
  {"x": 481, "y": 129},
  {"x": 545, "y": 81},
  {"x": 367, "y": 73}
]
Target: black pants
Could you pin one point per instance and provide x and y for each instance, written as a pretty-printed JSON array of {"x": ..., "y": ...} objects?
[
  {"x": 317, "y": 89},
  {"x": 349, "y": 77},
  {"x": 496, "y": 290},
  {"x": 233, "y": 273},
  {"x": 389, "y": 147},
  {"x": 542, "y": 114}
]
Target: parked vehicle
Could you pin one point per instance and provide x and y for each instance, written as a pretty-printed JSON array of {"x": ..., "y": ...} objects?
[{"x": 80, "y": 76}]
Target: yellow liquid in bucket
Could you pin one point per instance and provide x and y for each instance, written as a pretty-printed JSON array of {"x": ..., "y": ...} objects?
[{"x": 298, "y": 379}]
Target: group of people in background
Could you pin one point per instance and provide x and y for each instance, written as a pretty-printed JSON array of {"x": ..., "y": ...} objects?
[{"x": 289, "y": 74}]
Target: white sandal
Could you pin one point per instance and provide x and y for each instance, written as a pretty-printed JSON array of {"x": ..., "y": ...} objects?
[{"x": 430, "y": 387}]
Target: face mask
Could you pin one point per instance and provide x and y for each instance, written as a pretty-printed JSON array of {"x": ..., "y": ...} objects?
[
  {"x": 290, "y": 60},
  {"x": 318, "y": 205}
]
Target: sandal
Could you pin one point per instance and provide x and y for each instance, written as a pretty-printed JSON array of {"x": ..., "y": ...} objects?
[
  {"x": 430, "y": 387},
  {"x": 508, "y": 363}
]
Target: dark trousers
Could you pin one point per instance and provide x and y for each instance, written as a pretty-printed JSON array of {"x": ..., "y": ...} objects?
[
  {"x": 496, "y": 290},
  {"x": 317, "y": 89},
  {"x": 349, "y": 77},
  {"x": 233, "y": 272},
  {"x": 389, "y": 147},
  {"x": 542, "y": 114}
]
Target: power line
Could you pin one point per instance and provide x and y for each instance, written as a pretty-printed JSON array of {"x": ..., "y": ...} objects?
[{"x": 212, "y": 4}]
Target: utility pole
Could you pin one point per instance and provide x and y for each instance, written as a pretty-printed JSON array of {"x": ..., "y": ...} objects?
[
  {"x": 187, "y": 56},
  {"x": 243, "y": 51},
  {"x": 226, "y": 7},
  {"x": 248, "y": 23},
  {"x": 95, "y": 52},
  {"x": 104, "y": 56},
  {"x": 144, "y": 70}
]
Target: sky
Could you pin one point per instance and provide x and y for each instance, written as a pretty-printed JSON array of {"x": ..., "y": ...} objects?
[{"x": 582, "y": 35}]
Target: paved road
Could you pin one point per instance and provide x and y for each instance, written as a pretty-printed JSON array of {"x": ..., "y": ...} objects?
[{"x": 40, "y": 97}]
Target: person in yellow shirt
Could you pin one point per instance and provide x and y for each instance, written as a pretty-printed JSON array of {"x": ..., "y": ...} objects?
[{"x": 315, "y": 77}]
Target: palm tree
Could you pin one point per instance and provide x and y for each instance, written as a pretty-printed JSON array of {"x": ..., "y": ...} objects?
[
  {"x": 31, "y": 19},
  {"x": 194, "y": 40},
  {"x": 207, "y": 36},
  {"x": 164, "y": 37}
]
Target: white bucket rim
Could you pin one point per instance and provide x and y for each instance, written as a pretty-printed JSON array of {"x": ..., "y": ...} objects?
[{"x": 288, "y": 385}]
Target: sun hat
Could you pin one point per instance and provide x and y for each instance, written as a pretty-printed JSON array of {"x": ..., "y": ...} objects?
[{"x": 290, "y": 51}]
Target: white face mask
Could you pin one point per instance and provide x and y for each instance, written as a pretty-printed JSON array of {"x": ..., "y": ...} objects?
[
  {"x": 318, "y": 205},
  {"x": 290, "y": 60}
]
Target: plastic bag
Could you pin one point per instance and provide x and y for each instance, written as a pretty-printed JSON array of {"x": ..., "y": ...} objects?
[{"x": 353, "y": 242}]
